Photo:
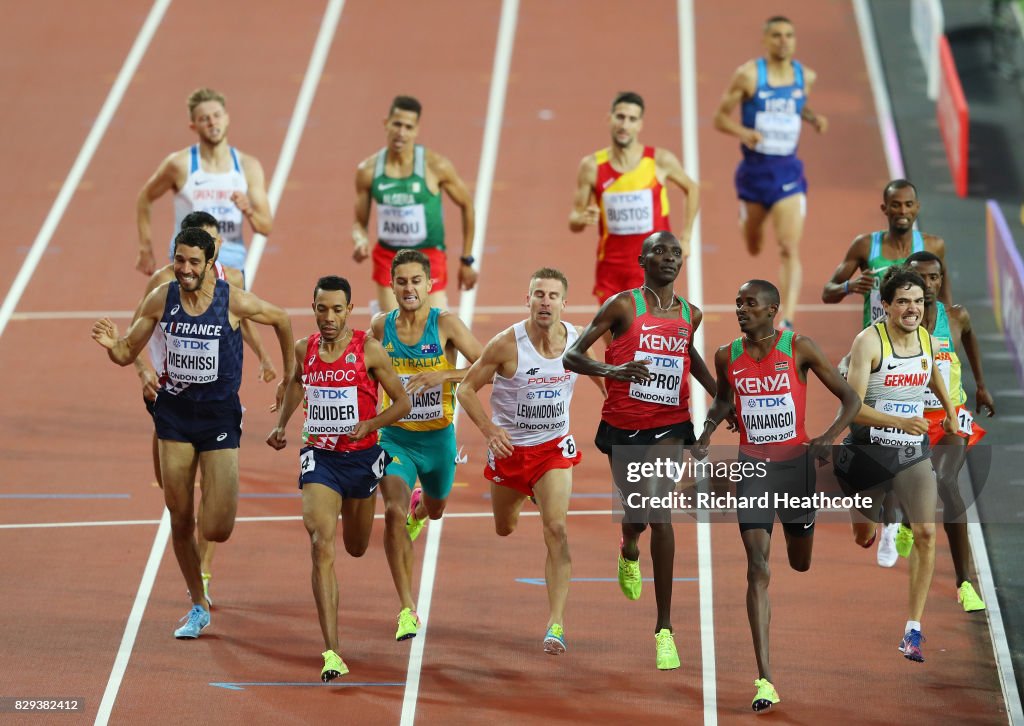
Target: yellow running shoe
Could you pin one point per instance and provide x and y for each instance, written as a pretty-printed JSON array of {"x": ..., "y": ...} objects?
[
  {"x": 412, "y": 525},
  {"x": 630, "y": 581},
  {"x": 206, "y": 587},
  {"x": 334, "y": 666},
  {"x": 766, "y": 695},
  {"x": 970, "y": 599},
  {"x": 904, "y": 541},
  {"x": 408, "y": 624},
  {"x": 668, "y": 656}
]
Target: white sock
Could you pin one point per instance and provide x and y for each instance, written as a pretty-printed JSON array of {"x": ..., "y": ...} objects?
[{"x": 912, "y": 625}]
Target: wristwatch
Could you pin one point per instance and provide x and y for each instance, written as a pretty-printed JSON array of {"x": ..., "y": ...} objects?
[{"x": 468, "y": 260}]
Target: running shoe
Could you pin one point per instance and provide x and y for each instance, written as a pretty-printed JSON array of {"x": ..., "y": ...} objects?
[
  {"x": 206, "y": 588},
  {"x": 766, "y": 695},
  {"x": 630, "y": 581},
  {"x": 904, "y": 540},
  {"x": 970, "y": 599},
  {"x": 554, "y": 640},
  {"x": 412, "y": 525},
  {"x": 668, "y": 656},
  {"x": 887, "y": 554},
  {"x": 197, "y": 620},
  {"x": 334, "y": 666},
  {"x": 408, "y": 624},
  {"x": 911, "y": 646}
]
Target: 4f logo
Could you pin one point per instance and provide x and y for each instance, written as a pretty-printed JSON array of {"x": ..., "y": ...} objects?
[{"x": 532, "y": 371}]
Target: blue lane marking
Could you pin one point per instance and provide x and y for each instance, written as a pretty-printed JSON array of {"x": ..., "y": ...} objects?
[
  {"x": 65, "y": 496},
  {"x": 332, "y": 684},
  {"x": 540, "y": 580},
  {"x": 269, "y": 495}
]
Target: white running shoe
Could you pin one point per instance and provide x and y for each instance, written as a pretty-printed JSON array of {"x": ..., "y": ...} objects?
[{"x": 887, "y": 554}]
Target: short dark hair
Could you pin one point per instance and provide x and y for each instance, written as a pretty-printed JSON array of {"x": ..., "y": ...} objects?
[
  {"x": 771, "y": 293},
  {"x": 333, "y": 282},
  {"x": 926, "y": 256},
  {"x": 405, "y": 103},
  {"x": 897, "y": 277},
  {"x": 195, "y": 237},
  {"x": 655, "y": 238},
  {"x": 628, "y": 97},
  {"x": 550, "y": 273},
  {"x": 408, "y": 257},
  {"x": 199, "y": 219},
  {"x": 777, "y": 19},
  {"x": 895, "y": 185}
]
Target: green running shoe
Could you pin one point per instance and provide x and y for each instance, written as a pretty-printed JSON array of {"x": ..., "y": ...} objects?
[
  {"x": 412, "y": 525},
  {"x": 970, "y": 599},
  {"x": 668, "y": 656},
  {"x": 630, "y": 581},
  {"x": 904, "y": 541},
  {"x": 766, "y": 695},
  {"x": 408, "y": 624},
  {"x": 334, "y": 666}
]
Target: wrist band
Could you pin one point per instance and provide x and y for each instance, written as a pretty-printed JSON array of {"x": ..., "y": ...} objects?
[{"x": 846, "y": 287}]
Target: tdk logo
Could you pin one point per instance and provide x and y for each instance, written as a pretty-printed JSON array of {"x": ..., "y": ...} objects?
[
  {"x": 191, "y": 344},
  {"x": 768, "y": 402},
  {"x": 891, "y": 407},
  {"x": 546, "y": 394}
]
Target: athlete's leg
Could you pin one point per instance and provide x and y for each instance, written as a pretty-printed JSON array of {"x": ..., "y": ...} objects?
[
  {"x": 320, "y": 508},
  {"x": 915, "y": 487},
  {"x": 156, "y": 461},
  {"x": 757, "y": 543},
  {"x": 205, "y": 546},
  {"x": 357, "y": 523},
  {"x": 437, "y": 299},
  {"x": 948, "y": 459},
  {"x": 752, "y": 217},
  {"x": 788, "y": 221},
  {"x": 386, "y": 298},
  {"x": 178, "y": 471},
  {"x": 865, "y": 519},
  {"x": 552, "y": 492},
  {"x": 220, "y": 492},
  {"x": 397, "y": 545},
  {"x": 506, "y": 504}
]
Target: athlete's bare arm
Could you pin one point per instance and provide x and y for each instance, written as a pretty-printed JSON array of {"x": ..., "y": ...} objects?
[
  {"x": 856, "y": 259},
  {"x": 378, "y": 364},
  {"x": 597, "y": 380},
  {"x": 360, "y": 233},
  {"x": 741, "y": 88},
  {"x": 698, "y": 368},
  {"x": 865, "y": 356},
  {"x": 810, "y": 358},
  {"x": 500, "y": 355},
  {"x": 937, "y": 246},
  {"x": 585, "y": 210},
  {"x": 938, "y": 386},
  {"x": 125, "y": 349},
  {"x": 267, "y": 372},
  {"x": 254, "y": 204},
  {"x": 721, "y": 406},
  {"x": 962, "y": 320},
  {"x": 451, "y": 183},
  {"x": 817, "y": 120},
  {"x": 169, "y": 176},
  {"x": 246, "y": 306},
  {"x": 291, "y": 398},
  {"x": 668, "y": 168},
  {"x": 616, "y": 315}
]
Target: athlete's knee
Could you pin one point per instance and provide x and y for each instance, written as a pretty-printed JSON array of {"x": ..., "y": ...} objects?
[
  {"x": 864, "y": 534},
  {"x": 321, "y": 548},
  {"x": 555, "y": 531},
  {"x": 504, "y": 527},
  {"x": 357, "y": 548},
  {"x": 800, "y": 562},
  {"x": 758, "y": 571},
  {"x": 217, "y": 531},
  {"x": 435, "y": 507},
  {"x": 789, "y": 250},
  {"x": 924, "y": 534},
  {"x": 394, "y": 514}
]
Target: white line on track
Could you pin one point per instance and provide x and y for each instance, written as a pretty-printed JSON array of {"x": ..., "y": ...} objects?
[
  {"x": 695, "y": 293},
  {"x": 467, "y": 303},
  {"x": 332, "y": 16},
  {"x": 322, "y": 46},
  {"x": 85, "y": 154},
  {"x": 975, "y": 533}
]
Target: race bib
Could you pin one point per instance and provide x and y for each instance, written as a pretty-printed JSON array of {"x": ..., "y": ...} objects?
[
  {"x": 629, "y": 212},
  {"x": 769, "y": 419},
  {"x": 568, "y": 447},
  {"x": 192, "y": 360},
  {"x": 966, "y": 421},
  {"x": 542, "y": 409},
  {"x": 427, "y": 404},
  {"x": 891, "y": 436},
  {"x": 779, "y": 127},
  {"x": 401, "y": 226},
  {"x": 930, "y": 399},
  {"x": 875, "y": 304},
  {"x": 665, "y": 382},
  {"x": 331, "y": 411}
]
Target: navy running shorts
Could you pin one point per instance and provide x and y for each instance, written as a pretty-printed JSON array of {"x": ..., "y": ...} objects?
[
  {"x": 352, "y": 474},
  {"x": 766, "y": 180},
  {"x": 207, "y": 425}
]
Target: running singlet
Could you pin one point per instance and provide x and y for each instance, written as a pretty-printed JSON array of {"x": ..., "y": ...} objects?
[
  {"x": 948, "y": 363},
  {"x": 206, "y": 191},
  {"x": 770, "y": 400},
  {"x": 157, "y": 345},
  {"x": 896, "y": 387},
  {"x": 533, "y": 405},
  {"x": 408, "y": 214},
  {"x": 665, "y": 398},
  {"x": 634, "y": 205},
  {"x": 878, "y": 264},
  {"x": 204, "y": 353},
  {"x": 774, "y": 111},
  {"x": 432, "y": 408},
  {"x": 337, "y": 396}
]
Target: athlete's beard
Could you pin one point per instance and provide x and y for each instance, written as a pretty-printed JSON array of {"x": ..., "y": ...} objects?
[{"x": 200, "y": 279}]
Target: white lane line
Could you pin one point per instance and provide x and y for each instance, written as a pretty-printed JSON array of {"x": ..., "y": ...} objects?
[
  {"x": 85, "y": 154},
  {"x": 976, "y": 535},
  {"x": 467, "y": 303},
  {"x": 306, "y": 311},
  {"x": 695, "y": 293},
  {"x": 328, "y": 27}
]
